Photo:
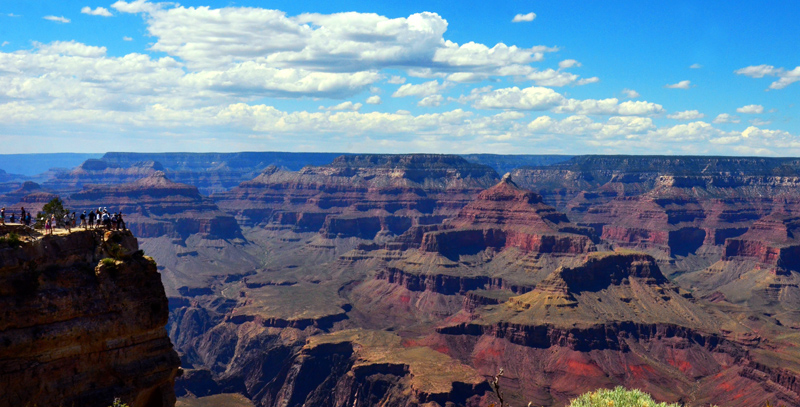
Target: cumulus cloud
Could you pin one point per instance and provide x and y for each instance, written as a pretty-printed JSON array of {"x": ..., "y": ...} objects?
[
  {"x": 137, "y": 6},
  {"x": 542, "y": 98},
  {"x": 757, "y": 71},
  {"x": 396, "y": 80},
  {"x": 99, "y": 11},
  {"x": 257, "y": 79},
  {"x": 726, "y": 118},
  {"x": 523, "y": 18},
  {"x": 421, "y": 90},
  {"x": 751, "y": 109},
  {"x": 205, "y": 37},
  {"x": 57, "y": 19},
  {"x": 373, "y": 100},
  {"x": 680, "y": 85},
  {"x": 127, "y": 39},
  {"x": 786, "y": 78},
  {"x": 630, "y": 93},
  {"x": 759, "y": 122},
  {"x": 348, "y": 105},
  {"x": 686, "y": 115},
  {"x": 431, "y": 101},
  {"x": 609, "y": 106},
  {"x": 4, "y": 43},
  {"x": 531, "y": 98},
  {"x": 695, "y": 66},
  {"x": 568, "y": 63}
]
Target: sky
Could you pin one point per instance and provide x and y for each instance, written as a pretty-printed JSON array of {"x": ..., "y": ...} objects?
[{"x": 505, "y": 77}]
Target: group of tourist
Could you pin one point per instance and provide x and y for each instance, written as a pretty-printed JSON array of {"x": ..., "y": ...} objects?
[
  {"x": 92, "y": 220},
  {"x": 24, "y": 217},
  {"x": 101, "y": 218}
]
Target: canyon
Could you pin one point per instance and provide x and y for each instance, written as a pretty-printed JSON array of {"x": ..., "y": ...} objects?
[{"x": 351, "y": 279}]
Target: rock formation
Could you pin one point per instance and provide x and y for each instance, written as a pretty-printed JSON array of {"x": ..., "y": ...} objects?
[
  {"x": 359, "y": 196},
  {"x": 155, "y": 206},
  {"x": 83, "y": 322}
]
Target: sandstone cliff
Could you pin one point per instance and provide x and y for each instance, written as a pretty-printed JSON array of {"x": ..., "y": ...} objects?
[{"x": 79, "y": 327}]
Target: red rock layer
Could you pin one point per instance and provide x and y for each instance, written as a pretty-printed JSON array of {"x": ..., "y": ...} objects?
[
  {"x": 359, "y": 196},
  {"x": 155, "y": 206},
  {"x": 508, "y": 216},
  {"x": 75, "y": 330}
]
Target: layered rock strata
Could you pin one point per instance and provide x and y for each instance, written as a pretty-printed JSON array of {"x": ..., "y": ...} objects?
[
  {"x": 80, "y": 327},
  {"x": 368, "y": 196},
  {"x": 156, "y": 206}
]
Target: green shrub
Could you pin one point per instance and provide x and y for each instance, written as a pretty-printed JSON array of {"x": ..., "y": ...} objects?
[
  {"x": 110, "y": 265},
  {"x": 118, "y": 403},
  {"x": 12, "y": 239},
  {"x": 618, "y": 397},
  {"x": 115, "y": 251}
]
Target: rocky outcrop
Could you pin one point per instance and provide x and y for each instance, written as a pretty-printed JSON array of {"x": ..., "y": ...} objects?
[
  {"x": 508, "y": 216},
  {"x": 30, "y": 196},
  {"x": 772, "y": 240},
  {"x": 359, "y": 196},
  {"x": 372, "y": 368},
  {"x": 100, "y": 172},
  {"x": 83, "y": 322},
  {"x": 155, "y": 206}
]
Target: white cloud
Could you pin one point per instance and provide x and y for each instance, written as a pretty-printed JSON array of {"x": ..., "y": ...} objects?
[
  {"x": 421, "y": 90},
  {"x": 396, "y": 80},
  {"x": 568, "y": 63},
  {"x": 586, "y": 81},
  {"x": 57, "y": 19},
  {"x": 630, "y": 93},
  {"x": 5, "y": 43},
  {"x": 686, "y": 115},
  {"x": 726, "y": 118},
  {"x": 137, "y": 6},
  {"x": 580, "y": 125},
  {"x": 610, "y": 106},
  {"x": 127, "y": 39},
  {"x": 751, "y": 109},
  {"x": 255, "y": 79},
  {"x": 695, "y": 66},
  {"x": 373, "y": 100},
  {"x": 100, "y": 11},
  {"x": 759, "y": 122},
  {"x": 348, "y": 105},
  {"x": 757, "y": 71},
  {"x": 520, "y": 18},
  {"x": 532, "y": 98},
  {"x": 462, "y": 77},
  {"x": 786, "y": 78},
  {"x": 541, "y": 98},
  {"x": 207, "y": 38},
  {"x": 679, "y": 85},
  {"x": 431, "y": 101}
]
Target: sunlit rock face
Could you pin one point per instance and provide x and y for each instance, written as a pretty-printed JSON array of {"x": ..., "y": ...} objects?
[{"x": 80, "y": 327}]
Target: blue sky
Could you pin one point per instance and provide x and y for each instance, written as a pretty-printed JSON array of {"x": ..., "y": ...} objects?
[{"x": 525, "y": 77}]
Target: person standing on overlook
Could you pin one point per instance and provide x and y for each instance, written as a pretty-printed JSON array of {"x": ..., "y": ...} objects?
[{"x": 3, "y": 215}]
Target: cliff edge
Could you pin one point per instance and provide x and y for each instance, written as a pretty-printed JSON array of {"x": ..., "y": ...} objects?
[{"x": 82, "y": 321}]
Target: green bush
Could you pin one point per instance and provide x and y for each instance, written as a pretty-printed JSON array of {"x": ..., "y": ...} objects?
[
  {"x": 618, "y": 397},
  {"x": 118, "y": 403},
  {"x": 12, "y": 239}
]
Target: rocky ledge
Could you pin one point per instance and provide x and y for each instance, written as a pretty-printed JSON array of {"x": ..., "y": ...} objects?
[{"x": 82, "y": 321}]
